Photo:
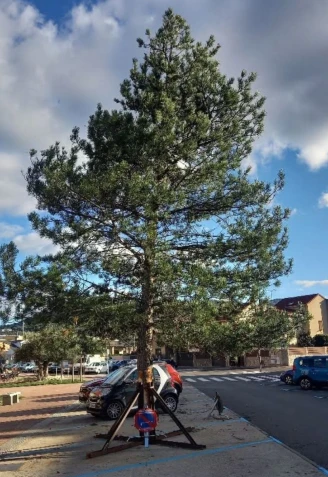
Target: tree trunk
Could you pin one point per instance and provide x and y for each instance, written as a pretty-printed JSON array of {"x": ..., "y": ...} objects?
[
  {"x": 145, "y": 375},
  {"x": 40, "y": 372},
  {"x": 260, "y": 359},
  {"x": 145, "y": 336},
  {"x": 45, "y": 370},
  {"x": 81, "y": 373},
  {"x": 73, "y": 371},
  {"x": 61, "y": 370}
]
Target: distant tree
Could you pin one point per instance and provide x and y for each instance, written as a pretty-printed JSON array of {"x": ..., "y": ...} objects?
[
  {"x": 270, "y": 328},
  {"x": 51, "y": 344},
  {"x": 304, "y": 339}
]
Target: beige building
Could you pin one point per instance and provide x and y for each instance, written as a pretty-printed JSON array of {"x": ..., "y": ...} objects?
[{"x": 317, "y": 306}]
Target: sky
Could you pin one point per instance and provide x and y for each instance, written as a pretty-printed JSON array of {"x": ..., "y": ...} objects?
[{"x": 59, "y": 58}]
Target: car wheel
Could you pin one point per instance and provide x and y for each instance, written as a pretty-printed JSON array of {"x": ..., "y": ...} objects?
[
  {"x": 171, "y": 401},
  {"x": 305, "y": 384},
  {"x": 114, "y": 409},
  {"x": 288, "y": 379}
]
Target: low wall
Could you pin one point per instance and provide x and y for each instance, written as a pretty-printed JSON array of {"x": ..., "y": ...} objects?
[
  {"x": 296, "y": 352},
  {"x": 202, "y": 362},
  {"x": 252, "y": 362},
  {"x": 283, "y": 357}
]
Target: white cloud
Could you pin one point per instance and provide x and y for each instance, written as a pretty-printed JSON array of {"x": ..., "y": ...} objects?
[
  {"x": 52, "y": 76},
  {"x": 32, "y": 243},
  {"x": 251, "y": 162},
  {"x": 311, "y": 283},
  {"x": 8, "y": 231},
  {"x": 323, "y": 200},
  {"x": 293, "y": 212}
]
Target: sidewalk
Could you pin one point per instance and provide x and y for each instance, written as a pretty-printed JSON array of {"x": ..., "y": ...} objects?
[
  {"x": 234, "y": 447},
  {"x": 185, "y": 371}
]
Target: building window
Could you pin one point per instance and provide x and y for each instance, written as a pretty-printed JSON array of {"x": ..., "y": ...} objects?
[{"x": 320, "y": 325}]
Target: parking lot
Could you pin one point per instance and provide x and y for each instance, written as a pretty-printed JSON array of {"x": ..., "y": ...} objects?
[
  {"x": 37, "y": 403},
  {"x": 58, "y": 445},
  {"x": 287, "y": 413}
]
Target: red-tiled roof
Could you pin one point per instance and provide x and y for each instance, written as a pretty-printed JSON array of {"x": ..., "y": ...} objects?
[{"x": 293, "y": 301}]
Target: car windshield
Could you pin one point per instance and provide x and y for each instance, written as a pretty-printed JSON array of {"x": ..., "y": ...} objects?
[{"x": 116, "y": 376}]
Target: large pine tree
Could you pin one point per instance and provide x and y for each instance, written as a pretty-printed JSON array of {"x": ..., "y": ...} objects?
[{"x": 162, "y": 211}]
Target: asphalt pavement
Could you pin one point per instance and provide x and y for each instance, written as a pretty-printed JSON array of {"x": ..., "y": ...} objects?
[{"x": 296, "y": 418}]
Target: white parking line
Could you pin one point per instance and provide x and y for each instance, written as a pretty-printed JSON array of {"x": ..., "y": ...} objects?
[
  {"x": 229, "y": 379},
  {"x": 203, "y": 379},
  {"x": 216, "y": 379}
]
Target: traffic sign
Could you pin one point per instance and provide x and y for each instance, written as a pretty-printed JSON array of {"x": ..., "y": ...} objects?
[{"x": 146, "y": 420}]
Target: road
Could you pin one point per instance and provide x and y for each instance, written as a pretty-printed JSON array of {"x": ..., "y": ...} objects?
[{"x": 297, "y": 418}]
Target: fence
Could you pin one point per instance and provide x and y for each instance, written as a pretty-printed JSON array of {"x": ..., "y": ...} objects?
[{"x": 283, "y": 357}]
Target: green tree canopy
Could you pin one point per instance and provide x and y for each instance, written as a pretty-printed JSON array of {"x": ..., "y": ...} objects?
[
  {"x": 162, "y": 210},
  {"x": 271, "y": 328},
  {"x": 54, "y": 343}
]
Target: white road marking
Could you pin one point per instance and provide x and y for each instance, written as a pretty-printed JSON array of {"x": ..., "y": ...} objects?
[
  {"x": 229, "y": 379},
  {"x": 216, "y": 379},
  {"x": 251, "y": 372},
  {"x": 255, "y": 378},
  {"x": 203, "y": 379},
  {"x": 242, "y": 379},
  {"x": 272, "y": 378},
  {"x": 190, "y": 380}
]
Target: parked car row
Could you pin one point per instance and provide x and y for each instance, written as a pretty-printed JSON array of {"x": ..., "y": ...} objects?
[
  {"x": 27, "y": 367},
  {"x": 308, "y": 372},
  {"x": 99, "y": 367},
  {"x": 107, "y": 397}
]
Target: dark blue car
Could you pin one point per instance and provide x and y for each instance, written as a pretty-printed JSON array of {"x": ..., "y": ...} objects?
[
  {"x": 287, "y": 376},
  {"x": 309, "y": 371}
]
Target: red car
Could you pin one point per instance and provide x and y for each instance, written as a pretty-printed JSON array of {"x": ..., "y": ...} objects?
[{"x": 176, "y": 378}]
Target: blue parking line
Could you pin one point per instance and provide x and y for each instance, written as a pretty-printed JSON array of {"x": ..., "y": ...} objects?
[
  {"x": 165, "y": 460},
  {"x": 323, "y": 470},
  {"x": 276, "y": 440}
]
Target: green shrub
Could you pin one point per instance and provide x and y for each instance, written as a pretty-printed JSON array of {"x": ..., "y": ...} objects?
[
  {"x": 304, "y": 339},
  {"x": 320, "y": 340}
]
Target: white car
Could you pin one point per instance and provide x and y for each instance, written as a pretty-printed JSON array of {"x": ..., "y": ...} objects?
[
  {"x": 97, "y": 368},
  {"x": 28, "y": 367}
]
